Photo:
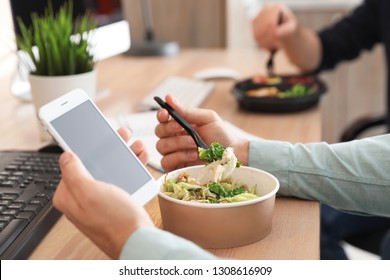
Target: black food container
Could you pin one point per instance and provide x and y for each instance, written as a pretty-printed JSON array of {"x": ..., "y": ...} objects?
[{"x": 271, "y": 104}]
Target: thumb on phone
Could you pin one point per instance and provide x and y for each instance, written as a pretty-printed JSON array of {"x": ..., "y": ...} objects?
[{"x": 73, "y": 171}]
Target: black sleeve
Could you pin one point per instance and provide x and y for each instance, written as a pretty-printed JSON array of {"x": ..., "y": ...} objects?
[{"x": 347, "y": 38}]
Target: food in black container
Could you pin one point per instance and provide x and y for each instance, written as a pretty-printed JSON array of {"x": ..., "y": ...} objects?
[{"x": 278, "y": 94}]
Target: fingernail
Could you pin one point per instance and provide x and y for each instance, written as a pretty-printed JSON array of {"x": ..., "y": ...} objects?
[{"x": 65, "y": 158}]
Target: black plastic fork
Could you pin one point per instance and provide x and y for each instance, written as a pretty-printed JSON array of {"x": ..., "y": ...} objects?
[
  {"x": 270, "y": 62},
  {"x": 186, "y": 125}
]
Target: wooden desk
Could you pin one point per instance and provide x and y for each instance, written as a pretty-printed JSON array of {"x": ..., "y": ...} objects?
[{"x": 295, "y": 233}]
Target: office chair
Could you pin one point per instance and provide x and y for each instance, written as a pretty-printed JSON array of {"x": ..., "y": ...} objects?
[
  {"x": 362, "y": 125},
  {"x": 375, "y": 240}
]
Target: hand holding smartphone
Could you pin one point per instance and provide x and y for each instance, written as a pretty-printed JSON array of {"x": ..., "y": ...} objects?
[{"x": 78, "y": 125}]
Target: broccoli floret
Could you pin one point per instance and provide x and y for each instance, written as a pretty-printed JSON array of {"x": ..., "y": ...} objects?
[
  {"x": 213, "y": 153},
  {"x": 219, "y": 190}
]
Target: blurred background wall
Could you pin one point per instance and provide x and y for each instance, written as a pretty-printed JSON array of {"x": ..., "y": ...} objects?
[{"x": 355, "y": 88}]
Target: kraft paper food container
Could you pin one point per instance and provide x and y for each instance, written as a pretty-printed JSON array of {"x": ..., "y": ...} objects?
[{"x": 223, "y": 225}]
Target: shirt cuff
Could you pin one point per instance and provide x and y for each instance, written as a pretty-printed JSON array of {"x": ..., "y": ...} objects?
[
  {"x": 274, "y": 158},
  {"x": 156, "y": 244}
]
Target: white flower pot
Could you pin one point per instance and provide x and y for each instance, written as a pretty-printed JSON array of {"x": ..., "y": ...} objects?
[{"x": 47, "y": 88}]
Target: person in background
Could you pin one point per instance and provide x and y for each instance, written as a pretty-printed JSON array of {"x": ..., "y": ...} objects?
[
  {"x": 367, "y": 26},
  {"x": 118, "y": 225}
]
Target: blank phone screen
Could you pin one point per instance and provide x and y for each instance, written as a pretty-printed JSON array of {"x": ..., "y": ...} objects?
[{"x": 104, "y": 155}]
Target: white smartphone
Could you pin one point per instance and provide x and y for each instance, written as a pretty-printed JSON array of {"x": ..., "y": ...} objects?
[{"x": 78, "y": 125}]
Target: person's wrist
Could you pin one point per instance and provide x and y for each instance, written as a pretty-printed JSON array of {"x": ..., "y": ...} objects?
[
  {"x": 242, "y": 151},
  {"x": 294, "y": 36},
  {"x": 121, "y": 237}
]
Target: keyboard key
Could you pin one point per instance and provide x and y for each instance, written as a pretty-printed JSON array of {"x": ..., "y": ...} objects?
[
  {"x": 32, "y": 208},
  {"x": 46, "y": 193},
  {"x": 19, "y": 174},
  {"x": 2, "y": 225},
  {"x": 189, "y": 92},
  {"x": 12, "y": 168},
  {"x": 9, "y": 184},
  {"x": 11, "y": 212},
  {"x": 10, "y": 232},
  {"x": 51, "y": 186},
  {"x": 10, "y": 191},
  {"x": 18, "y": 206},
  {"x": 39, "y": 181},
  {"x": 39, "y": 200},
  {"x": 9, "y": 196},
  {"x": 26, "y": 215},
  {"x": 26, "y": 168},
  {"x": 16, "y": 179},
  {"x": 5, "y": 202},
  {"x": 6, "y": 218},
  {"x": 28, "y": 194}
]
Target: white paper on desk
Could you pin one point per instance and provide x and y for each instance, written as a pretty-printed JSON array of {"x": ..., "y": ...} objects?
[{"x": 142, "y": 126}]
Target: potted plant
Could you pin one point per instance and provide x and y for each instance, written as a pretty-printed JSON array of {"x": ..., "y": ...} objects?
[{"x": 59, "y": 53}]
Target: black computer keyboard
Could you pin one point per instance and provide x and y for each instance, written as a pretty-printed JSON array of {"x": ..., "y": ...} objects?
[{"x": 28, "y": 181}]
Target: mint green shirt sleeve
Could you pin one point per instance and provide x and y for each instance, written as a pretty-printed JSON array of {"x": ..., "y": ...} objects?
[
  {"x": 156, "y": 244},
  {"x": 352, "y": 176}
]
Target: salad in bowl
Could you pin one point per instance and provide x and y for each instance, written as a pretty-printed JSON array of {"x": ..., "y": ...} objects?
[
  {"x": 222, "y": 188},
  {"x": 220, "y": 204}
]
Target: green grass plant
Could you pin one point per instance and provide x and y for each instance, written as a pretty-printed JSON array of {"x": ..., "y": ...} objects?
[{"x": 56, "y": 44}]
